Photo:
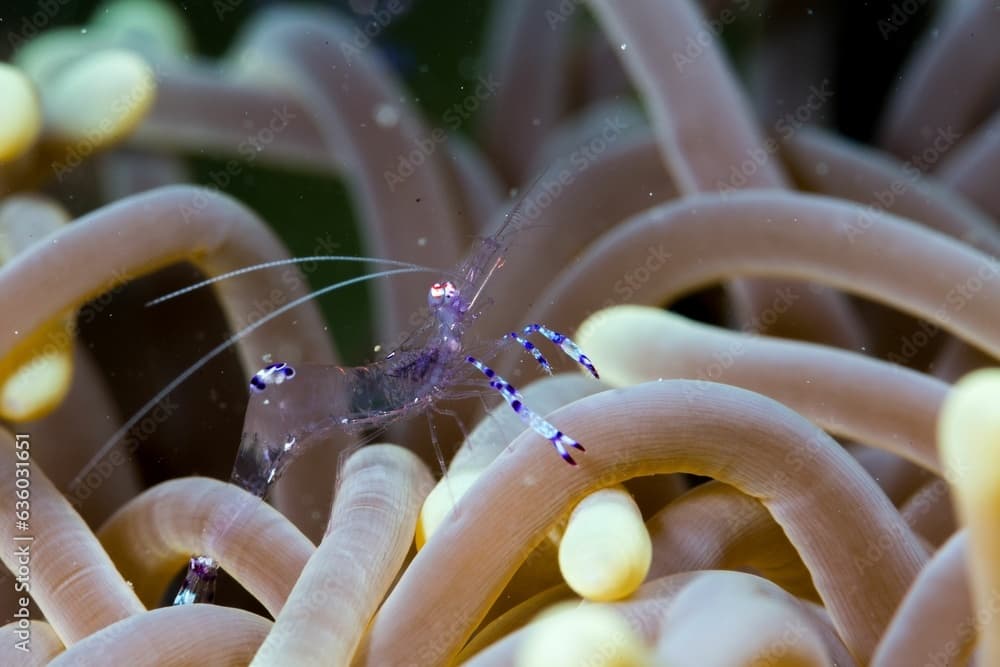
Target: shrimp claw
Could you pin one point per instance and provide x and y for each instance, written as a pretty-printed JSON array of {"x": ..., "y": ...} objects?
[{"x": 516, "y": 401}]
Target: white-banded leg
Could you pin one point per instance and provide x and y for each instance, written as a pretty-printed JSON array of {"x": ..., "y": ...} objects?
[{"x": 541, "y": 426}]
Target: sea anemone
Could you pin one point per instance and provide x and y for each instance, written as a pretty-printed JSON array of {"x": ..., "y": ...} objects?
[{"x": 789, "y": 454}]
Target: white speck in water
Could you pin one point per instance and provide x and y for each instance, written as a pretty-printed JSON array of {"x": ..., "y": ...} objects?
[
  {"x": 422, "y": 241},
  {"x": 267, "y": 401},
  {"x": 266, "y": 358},
  {"x": 377, "y": 348},
  {"x": 386, "y": 115},
  {"x": 83, "y": 31},
  {"x": 822, "y": 169},
  {"x": 16, "y": 332},
  {"x": 289, "y": 443},
  {"x": 536, "y": 121},
  {"x": 623, "y": 46}
]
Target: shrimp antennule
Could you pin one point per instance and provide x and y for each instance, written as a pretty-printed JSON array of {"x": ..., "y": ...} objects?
[{"x": 283, "y": 262}]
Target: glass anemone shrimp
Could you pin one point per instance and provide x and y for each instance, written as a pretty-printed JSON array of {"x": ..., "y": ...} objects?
[
  {"x": 290, "y": 406},
  {"x": 286, "y": 407}
]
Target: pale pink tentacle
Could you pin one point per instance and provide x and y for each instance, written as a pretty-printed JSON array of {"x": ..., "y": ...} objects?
[
  {"x": 658, "y": 420},
  {"x": 73, "y": 581}
]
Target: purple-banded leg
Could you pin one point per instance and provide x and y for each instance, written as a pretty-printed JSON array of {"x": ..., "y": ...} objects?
[
  {"x": 513, "y": 397},
  {"x": 571, "y": 349},
  {"x": 530, "y": 347}
]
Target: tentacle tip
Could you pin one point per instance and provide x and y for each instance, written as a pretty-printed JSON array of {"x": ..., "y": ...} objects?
[
  {"x": 577, "y": 445},
  {"x": 567, "y": 458}
]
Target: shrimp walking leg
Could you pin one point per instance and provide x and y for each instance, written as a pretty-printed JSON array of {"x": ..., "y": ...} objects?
[
  {"x": 530, "y": 347},
  {"x": 571, "y": 349},
  {"x": 540, "y": 425}
]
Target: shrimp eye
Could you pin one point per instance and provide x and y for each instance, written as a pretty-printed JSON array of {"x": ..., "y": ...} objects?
[{"x": 441, "y": 292}]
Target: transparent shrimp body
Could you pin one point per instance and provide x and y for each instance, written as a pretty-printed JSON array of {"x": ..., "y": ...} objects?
[{"x": 291, "y": 406}]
